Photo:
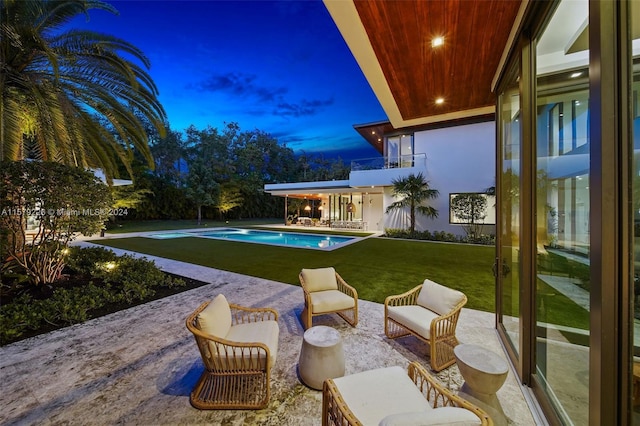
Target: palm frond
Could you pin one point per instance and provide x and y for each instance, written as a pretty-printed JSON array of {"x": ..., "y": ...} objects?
[{"x": 62, "y": 86}]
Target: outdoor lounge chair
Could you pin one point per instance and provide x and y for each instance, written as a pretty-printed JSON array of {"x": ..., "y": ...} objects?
[
  {"x": 326, "y": 292},
  {"x": 238, "y": 346},
  {"x": 430, "y": 312},
  {"x": 393, "y": 396}
]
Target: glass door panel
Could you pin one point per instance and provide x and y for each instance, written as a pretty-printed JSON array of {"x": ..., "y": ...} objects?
[
  {"x": 634, "y": 98},
  {"x": 562, "y": 214},
  {"x": 406, "y": 150},
  {"x": 507, "y": 273}
]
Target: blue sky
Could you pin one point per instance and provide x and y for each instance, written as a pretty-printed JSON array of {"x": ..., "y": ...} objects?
[{"x": 278, "y": 66}]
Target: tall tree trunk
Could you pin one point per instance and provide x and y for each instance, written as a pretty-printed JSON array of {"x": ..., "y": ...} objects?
[{"x": 412, "y": 217}]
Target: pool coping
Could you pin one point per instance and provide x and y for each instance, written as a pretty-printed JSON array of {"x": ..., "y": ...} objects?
[{"x": 190, "y": 233}]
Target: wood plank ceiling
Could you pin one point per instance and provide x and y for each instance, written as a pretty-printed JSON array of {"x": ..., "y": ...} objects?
[{"x": 459, "y": 71}]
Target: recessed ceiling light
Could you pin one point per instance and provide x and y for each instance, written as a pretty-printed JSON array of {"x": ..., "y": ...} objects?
[
  {"x": 576, "y": 74},
  {"x": 437, "y": 41},
  {"x": 439, "y": 101},
  {"x": 373, "y": 132}
]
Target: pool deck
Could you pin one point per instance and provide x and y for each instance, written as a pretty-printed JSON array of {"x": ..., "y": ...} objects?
[{"x": 139, "y": 365}]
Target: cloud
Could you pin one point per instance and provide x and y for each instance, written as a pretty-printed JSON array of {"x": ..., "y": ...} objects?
[
  {"x": 257, "y": 99},
  {"x": 304, "y": 108},
  {"x": 240, "y": 84}
]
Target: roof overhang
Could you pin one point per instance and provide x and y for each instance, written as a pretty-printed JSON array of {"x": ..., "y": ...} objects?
[
  {"x": 375, "y": 133},
  {"x": 391, "y": 41},
  {"x": 315, "y": 190}
]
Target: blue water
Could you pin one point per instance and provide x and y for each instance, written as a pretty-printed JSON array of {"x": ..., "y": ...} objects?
[
  {"x": 289, "y": 239},
  {"x": 170, "y": 235}
]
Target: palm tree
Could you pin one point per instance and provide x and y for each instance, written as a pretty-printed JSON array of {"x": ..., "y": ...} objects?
[
  {"x": 414, "y": 190},
  {"x": 70, "y": 95}
]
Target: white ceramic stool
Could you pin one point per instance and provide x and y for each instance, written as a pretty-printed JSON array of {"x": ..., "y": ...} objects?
[
  {"x": 321, "y": 356},
  {"x": 484, "y": 374}
]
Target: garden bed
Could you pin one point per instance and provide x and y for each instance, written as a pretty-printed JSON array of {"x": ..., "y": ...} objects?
[{"x": 86, "y": 290}]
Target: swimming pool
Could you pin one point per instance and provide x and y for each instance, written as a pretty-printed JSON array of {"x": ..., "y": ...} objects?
[{"x": 287, "y": 239}]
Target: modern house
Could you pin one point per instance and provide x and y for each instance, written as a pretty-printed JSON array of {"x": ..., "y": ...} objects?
[
  {"x": 561, "y": 79},
  {"x": 454, "y": 157}
]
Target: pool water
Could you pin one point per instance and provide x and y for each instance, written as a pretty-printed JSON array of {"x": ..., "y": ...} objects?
[
  {"x": 289, "y": 239},
  {"x": 170, "y": 235}
]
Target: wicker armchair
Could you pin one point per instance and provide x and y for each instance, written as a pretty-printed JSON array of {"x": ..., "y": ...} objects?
[
  {"x": 326, "y": 292},
  {"x": 388, "y": 396},
  {"x": 238, "y": 346},
  {"x": 430, "y": 312}
]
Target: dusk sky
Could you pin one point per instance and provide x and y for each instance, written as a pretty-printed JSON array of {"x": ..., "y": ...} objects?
[{"x": 278, "y": 66}]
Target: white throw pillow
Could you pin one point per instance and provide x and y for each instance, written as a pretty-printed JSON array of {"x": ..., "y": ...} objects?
[
  {"x": 320, "y": 279},
  {"x": 438, "y": 298},
  {"x": 215, "y": 319},
  {"x": 439, "y": 416}
]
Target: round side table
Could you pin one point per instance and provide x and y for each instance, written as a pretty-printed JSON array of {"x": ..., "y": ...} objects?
[
  {"x": 321, "y": 356},
  {"x": 484, "y": 373}
]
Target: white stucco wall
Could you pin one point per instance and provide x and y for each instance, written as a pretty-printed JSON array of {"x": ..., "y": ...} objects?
[
  {"x": 373, "y": 212},
  {"x": 459, "y": 159}
]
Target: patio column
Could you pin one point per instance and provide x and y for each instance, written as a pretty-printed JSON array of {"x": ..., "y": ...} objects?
[{"x": 286, "y": 209}]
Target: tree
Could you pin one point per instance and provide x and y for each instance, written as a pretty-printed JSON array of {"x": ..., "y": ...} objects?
[
  {"x": 470, "y": 210},
  {"x": 229, "y": 198},
  {"x": 61, "y": 86},
  {"x": 413, "y": 190},
  {"x": 168, "y": 153},
  {"x": 63, "y": 201},
  {"x": 208, "y": 165},
  {"x": 201, "y": 185}
]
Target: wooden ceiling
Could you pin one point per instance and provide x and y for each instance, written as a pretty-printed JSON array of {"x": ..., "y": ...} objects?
[{"x": 400, "y": 34}]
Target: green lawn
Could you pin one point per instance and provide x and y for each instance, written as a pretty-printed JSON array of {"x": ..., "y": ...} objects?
[{"x": 376, "y": 267}]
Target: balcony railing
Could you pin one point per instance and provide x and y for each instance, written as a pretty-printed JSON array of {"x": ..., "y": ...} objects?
[{"x": 381, "y": 163}]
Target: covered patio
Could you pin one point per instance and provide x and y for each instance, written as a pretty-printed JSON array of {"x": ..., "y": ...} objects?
[{"x": 139, "y": 365}]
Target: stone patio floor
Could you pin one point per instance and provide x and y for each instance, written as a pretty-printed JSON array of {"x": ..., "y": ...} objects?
[{"x": 138, "y": 366}]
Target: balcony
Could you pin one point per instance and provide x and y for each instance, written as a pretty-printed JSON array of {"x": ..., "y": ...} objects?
[{"x": 381, "y": 171}]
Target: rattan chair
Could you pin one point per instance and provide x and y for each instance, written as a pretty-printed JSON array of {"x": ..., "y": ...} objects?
[
  {"x": 326, "y": 292},
  {"x": 238, "y": 346},
  {"x": 387, "y": 396},
  {"x": 430, "y": 312}
]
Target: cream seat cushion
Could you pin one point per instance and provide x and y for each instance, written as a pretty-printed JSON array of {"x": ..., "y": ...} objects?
[
  {"x": 452, "y": 416},
  {"x": 266, "y": 332},
  {"x": 319, "y": 279},
  {"x": 372, "y": 395},
  {"x": 438, "y": 298},
  {"x": 414, "y": 317},
  {"x": 330, "y": 301}
]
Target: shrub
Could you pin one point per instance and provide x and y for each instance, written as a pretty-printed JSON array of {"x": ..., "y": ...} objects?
[
  {"x": 136, "y": 278},
  {"x": 62, "y": 200},
  {"x": 438, "y": 236},
  {"x": 88, "y": 261},
  {"x": 72, "y": 306}
]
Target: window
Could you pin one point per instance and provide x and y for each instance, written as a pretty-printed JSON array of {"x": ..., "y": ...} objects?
[
  {"x": 399, "y": 151},
  {"x": 472, "y": 208}
]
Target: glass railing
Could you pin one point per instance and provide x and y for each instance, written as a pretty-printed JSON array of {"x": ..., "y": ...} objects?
[{"x": 381, "y": 163}]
